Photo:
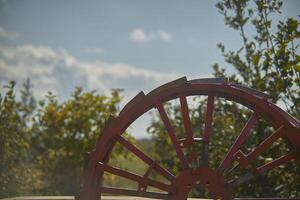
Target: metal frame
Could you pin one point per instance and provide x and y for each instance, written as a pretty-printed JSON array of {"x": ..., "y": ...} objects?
[{"x": 286, "y": 127}]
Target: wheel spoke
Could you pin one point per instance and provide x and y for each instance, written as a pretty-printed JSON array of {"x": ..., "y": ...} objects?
[
  {"x": 112, "y": 190},
  {"x": 238, "y": 142},
  {"x": 207, "y": 129},
  {"x": 208, "y": 118},
  {"x": 186, "y": 118},
  {"x": 265, "y": 144},
  {"x": 162, "y": 171},
  {"x": 143, "y": 187},
  {"x": 172, "y": 135},
  {"x": 275, "y": 163},
  {"x": 262, "y": 169},
  {"x": 134, "y": 177},
  {"x": 245, "y": 160}
]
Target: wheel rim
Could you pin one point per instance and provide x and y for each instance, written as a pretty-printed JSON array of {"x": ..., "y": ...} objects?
[{"x": 212, "y": 179}]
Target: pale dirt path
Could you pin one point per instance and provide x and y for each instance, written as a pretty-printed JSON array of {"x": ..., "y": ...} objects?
[{"x": 72, "y": 198}]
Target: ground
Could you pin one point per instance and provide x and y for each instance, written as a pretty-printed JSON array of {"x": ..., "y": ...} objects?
[{"x": 71, "y": 198}]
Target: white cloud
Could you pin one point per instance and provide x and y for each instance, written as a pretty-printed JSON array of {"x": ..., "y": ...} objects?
[
  {"x": 7, "y": 34},
  {"x": 38, "y": 63},
  {"x": 98, "y": 51},
  {"x": 165, "y": 36},
  {"x": 58, "y": 71},
  {"x": 140, "y": 35}
]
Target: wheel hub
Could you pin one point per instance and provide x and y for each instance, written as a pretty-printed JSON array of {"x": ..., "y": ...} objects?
[{"x": 203, "y": 177}]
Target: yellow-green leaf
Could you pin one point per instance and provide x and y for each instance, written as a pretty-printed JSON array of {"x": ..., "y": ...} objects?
[
  {"x": 255, "y": 59},
  {"x": 297, "y": 68}
]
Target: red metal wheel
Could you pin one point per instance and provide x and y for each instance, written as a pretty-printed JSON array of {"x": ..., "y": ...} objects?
[{"x": 214, "y": 180}]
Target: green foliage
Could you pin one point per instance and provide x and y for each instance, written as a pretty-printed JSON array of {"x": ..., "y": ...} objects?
[
  {"x": 43, "y": 145},
  {"x": 15, "y": 165},
  {"x": 65, "y": 132},
  {"x": 267, "y": 61}
]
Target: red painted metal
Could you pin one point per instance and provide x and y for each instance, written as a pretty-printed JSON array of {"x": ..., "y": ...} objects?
[
  {"x": 214, "y": 180},
  {"x": 186, "y": 119},
  {"x": 134, "y": 177},
  {"x": 208, "y": 120},
  {"x": 207, "y": 129},
  {"x": 203, "y": 177},
  {"x": 245, "y": 160},
  {"x": 165, "y": 173},
  {"x": 172, "y": 135},
  {"x": 238, "y": 142},
  {"x": 275, "y": 163}
]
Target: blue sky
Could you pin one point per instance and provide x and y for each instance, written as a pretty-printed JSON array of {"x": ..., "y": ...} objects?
[{"x": 135, "y": 45}]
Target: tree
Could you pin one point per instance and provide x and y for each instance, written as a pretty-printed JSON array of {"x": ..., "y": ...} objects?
[
  {"x": 16, "y": 175},
  {"x": 42, "y": 146},
  {"x": 64, "y": 132},
  {"x": 267, "y": 61}
]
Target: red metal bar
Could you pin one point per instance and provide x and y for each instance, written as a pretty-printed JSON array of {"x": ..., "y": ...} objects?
[
  {"x": 169, "y": 86},
  {"x": 238, "y": 142},
  {"x": 186, "y": 118},
  {"x": 193, "y": 159},
  {"x": 119, "y": 191},
  {"x": 207, "y": 129},
  {"x": 275, "y": 163},
  {"x": 149, "y": 170},
  {"x": 251, "y": 91},
  {"x": 172, "y": 135},
  {"x": 208, "y": 118},
  {"x": 92, "y": 178},
  {"x": 245, "y": 160},
  {"x": 162, "y": 171},
  {"x": 134, "y": 177},
  {"x": 265, "y": 144},
  {"x": 143, "y": 187},
  {"x": 185, "y": 142}
]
